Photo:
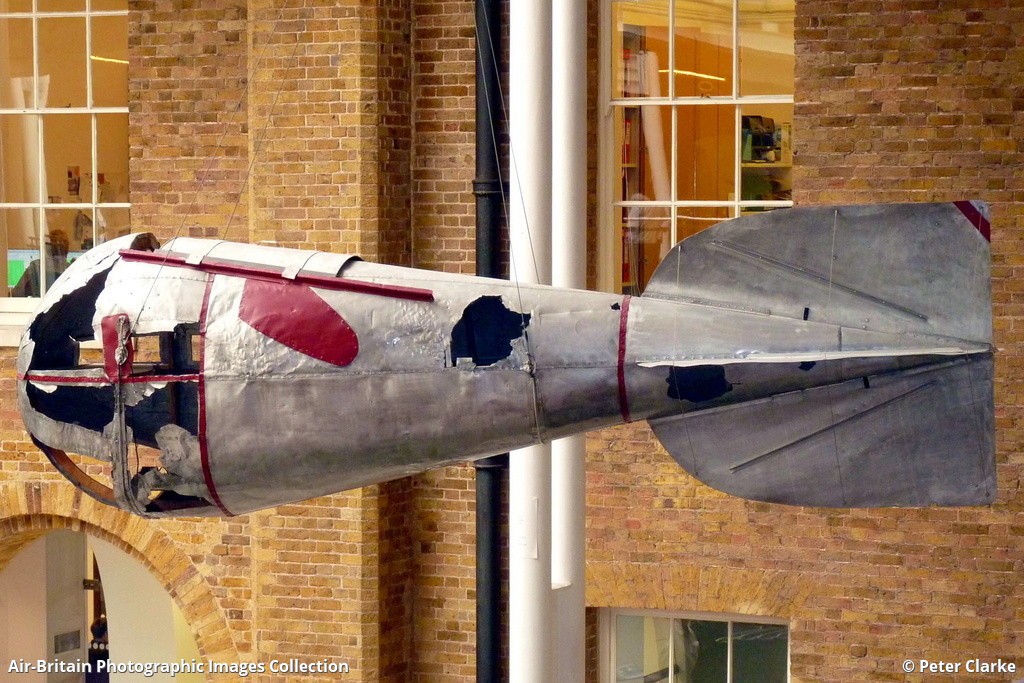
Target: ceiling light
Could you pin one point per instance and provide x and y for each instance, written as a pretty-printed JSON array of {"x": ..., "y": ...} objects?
[
  {"x": 681, "y": 72},
  {"x": 108, "y": 59}
]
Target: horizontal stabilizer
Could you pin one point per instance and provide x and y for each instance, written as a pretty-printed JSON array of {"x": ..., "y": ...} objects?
[{"x": 910, "y": 438}]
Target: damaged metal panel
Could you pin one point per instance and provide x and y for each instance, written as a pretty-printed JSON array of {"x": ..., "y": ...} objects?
[{"x": 257, "y": 376}]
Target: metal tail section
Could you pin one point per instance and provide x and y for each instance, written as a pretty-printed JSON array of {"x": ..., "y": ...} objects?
[
  {"x": 908, "y": 438},
  {"x": 889, "y": 281},
  {"x": 914, "y": 269}
]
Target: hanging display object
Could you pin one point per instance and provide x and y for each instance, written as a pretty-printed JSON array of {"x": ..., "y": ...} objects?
[{"x": 825, "y": 356}]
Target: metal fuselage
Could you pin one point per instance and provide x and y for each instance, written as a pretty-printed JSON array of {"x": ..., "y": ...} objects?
[
  {"x": 270, "y": 390},
  {"x": 282, "y": 375}
]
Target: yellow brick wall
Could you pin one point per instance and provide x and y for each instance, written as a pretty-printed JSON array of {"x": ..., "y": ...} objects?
[
  {"x": 443, "y": 125},
  {"x": 361, "y": 114},
  {"x": 253, "y": 123},
  {"x": 894, "y": 102}
]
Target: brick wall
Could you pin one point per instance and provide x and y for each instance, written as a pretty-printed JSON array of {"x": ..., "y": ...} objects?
[
  {"x": 443, "y": 124},
  {"x": 913, "y": 101},
  {"x": 444, "y": 229},
  {"x": 188, "y": 148},
  {"x": 923, "y": 102},
  {"x": 362, "y": 114},
  {"x": 249, "y": 122}
]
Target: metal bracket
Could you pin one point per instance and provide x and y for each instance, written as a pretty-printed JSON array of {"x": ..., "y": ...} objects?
[{"x": 117, "y": 361}]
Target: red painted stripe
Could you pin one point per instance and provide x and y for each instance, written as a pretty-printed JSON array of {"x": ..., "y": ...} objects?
[
  {"x": 204, "y": 451},
  {"x": 61, "y": 379},
  {"x": 976, "y": 217},
  {"x": 100, "y": 381},
  {"x": 217, "y": 267},
  {"x": 623, "y": 398}
]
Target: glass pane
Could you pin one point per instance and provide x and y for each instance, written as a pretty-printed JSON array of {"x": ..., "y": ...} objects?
[
  {"x": 706, "y": 153},
  {"x": 641, "y": 649},
  {"x": 703, "y": 49},
  {"x": 766, "y": 47},
  {"x": 67, "y": 149},
  {"x": 110, "y": 222},
  {"x": 61, "y": 5},
  {"x": 645, "y": 137},
  {"x": 112, "y": 157},
  {"x": 108, "y": 5},
  {"x": 16, "y": 63},
  {"x": 760, "y": 652},
  {"x": 692, "y": 219},
  {"x": 19, "y": 158},
  {"x": 15, "y": 6},
  {"x": 646, "y": 236},
  {"x": 20, "y": 227},
  {"x": 25, "y": 270},
  {"x": 76, "y": 225},
  {"x": 767, "y": 153},
  {"x": 109, "y": 61},
  {"x": 62, "y": 59},
  {"x": 640, "y": 48},
  {"x": 703, "y": 654}
]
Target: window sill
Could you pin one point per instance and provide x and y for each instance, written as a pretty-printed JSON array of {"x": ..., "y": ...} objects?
[
  {"x": 15, "y": 314},
  {"x": 10, "y": 336}
]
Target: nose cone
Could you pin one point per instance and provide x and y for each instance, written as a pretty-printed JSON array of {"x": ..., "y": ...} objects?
[
  {"x": 61, "y": 399},
  {"x": 70, "y": 404}
]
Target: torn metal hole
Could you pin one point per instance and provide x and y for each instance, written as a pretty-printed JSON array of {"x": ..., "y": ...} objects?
[
  {"x": 697, "y": 383},
  {"x": 485, "y": 333}
]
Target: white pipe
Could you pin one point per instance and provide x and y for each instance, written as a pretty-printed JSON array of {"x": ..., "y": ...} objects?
[
  {"x": 654, "y": 135},
  {"x": 569, "y": 269},
  {"x": 530, "y": 623}
]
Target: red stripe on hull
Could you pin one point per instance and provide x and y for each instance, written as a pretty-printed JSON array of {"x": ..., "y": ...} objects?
[
  {"x": 99, "y": 381},
  {"x": 623, "y": 397},
  {"x": 215, "y": 267},
  {"x": 204, "y": 453},
  {"x": 976, "y": 217}
]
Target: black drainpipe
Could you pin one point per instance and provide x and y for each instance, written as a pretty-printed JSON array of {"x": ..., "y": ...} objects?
[{"x": 491, "y": 473}]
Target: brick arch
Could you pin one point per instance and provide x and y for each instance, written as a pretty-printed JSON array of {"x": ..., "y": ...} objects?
[
  {"x": 757, "y": 592},
  {"x": 30, "y": 510}
]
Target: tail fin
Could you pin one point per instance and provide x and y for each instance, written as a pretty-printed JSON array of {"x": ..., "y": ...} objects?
[
  {"x": 897, "y": 268},
  {"x": 910, "y": 438},
  {"x": 904, "y": 437}
]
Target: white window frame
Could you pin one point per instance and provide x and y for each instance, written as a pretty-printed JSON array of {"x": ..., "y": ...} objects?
[
  {"x": 15, "y": 312},
  {"x": 606, "y": 634},
  {"x": 607, "y": 156}
]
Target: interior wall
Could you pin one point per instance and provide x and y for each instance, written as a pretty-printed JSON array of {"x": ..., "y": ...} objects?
[
  {"x": 184, "y": 641},
  {"x": 23, "y": 609},
  {"x": 41, "y": 597},
  {"x": 140, "y": 615},
  {"x": 65, "y": 609}
]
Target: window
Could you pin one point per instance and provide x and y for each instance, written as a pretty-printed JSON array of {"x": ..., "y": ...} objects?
[
  {"x": 654, "y": 647},
  {"x": 699, "y": 97},
  {"x": 63, "y": 138}
]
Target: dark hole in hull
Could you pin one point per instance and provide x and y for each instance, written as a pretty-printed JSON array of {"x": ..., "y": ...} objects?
[
  {"x": 485, "y": 332},
  {"x": 698, "y": 383}
]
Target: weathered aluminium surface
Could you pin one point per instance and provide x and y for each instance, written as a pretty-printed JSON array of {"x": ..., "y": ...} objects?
[{"x": 833, "y": 356}]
